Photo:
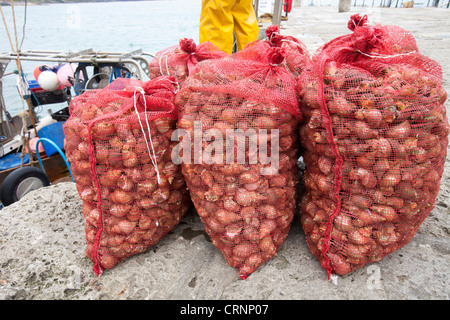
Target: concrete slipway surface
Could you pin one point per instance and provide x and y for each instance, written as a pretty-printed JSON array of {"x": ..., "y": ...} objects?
[{"x": 42, "y": 238}]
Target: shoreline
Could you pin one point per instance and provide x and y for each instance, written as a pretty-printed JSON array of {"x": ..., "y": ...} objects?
[{"x": 38, "y": 2}]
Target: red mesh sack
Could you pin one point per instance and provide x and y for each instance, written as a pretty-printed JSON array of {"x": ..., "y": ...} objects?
[
  {"x": 177, "y": 60},
  {"x": 245, "y": 203},
  {"x": 375, "y": 139},
  {"x": 296, "y": 55},
  {"x": 118, "y": 143}
]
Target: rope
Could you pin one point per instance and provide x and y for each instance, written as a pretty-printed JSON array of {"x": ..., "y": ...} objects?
[
  {"x": 385, "y": 56},
  {"x": 152, "y": 158},
  {"x": 92, "y": 164},
  {"x": 24, "y": 24},
  {"x": 167, "y": 70},
  {"x": 19, "y": 68},
  {"x": 7, "y": 30},
  {"x": 160, "y": 66},
  {"x": 23, "y": 115},
  {"x": 327, "y": 123}
]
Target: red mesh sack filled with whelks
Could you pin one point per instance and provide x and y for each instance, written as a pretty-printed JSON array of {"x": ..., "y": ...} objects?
[
  {"x": 296, "y": 55},
  {"x": 177, "y": 60},
  {"x": 118, "y": 143},
  {"x": 240, "y": 118},
  {"x": 375, "y": 139}
]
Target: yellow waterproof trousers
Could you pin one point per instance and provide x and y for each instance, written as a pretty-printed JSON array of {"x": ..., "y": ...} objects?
[{"x": 219, "y": 18}]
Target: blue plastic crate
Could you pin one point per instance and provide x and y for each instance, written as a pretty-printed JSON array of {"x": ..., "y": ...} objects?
[{"x": 33, "y": 84}]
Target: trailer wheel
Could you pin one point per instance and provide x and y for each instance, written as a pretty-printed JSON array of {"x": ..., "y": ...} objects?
[{"x": 20, "y": 182}]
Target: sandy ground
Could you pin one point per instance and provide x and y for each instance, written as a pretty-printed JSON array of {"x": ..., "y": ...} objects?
[{"x": 42, "y": 240}]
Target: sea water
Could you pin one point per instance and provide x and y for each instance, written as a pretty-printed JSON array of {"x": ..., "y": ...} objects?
[{"x": 103, "y": 26}]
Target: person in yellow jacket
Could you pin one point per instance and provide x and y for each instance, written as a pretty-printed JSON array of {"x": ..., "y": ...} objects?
[{"x": 219, "y": 18}]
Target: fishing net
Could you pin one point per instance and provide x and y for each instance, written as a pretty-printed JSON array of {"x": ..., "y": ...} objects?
[
  {"x": 241, "y": 116},
  {"x": 375, "y": 139},
  {"x": 179, "y": 59},
  {"x": 118, "y": 143}
]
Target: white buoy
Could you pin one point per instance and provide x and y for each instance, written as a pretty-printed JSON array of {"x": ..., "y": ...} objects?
[{"x": 48, "y": 80}]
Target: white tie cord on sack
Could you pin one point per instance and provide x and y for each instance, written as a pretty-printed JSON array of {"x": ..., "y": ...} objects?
[{"x": 152, "y": 158}]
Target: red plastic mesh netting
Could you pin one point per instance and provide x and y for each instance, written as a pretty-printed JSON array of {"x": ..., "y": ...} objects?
[
  {"x": 118, "y": 143},
  {"x": 375, "y": 139},
  {"x": 296, "y": 55},
  {"x": 179, "y": 59},
  {"x": 242, "y": 182}
]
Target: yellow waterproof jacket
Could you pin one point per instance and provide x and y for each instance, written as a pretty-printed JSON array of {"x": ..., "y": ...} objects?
[{"x": 219, "y": 18}]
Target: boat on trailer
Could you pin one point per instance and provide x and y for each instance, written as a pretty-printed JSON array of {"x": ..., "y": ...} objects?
[{"x": 32, "y": 148}]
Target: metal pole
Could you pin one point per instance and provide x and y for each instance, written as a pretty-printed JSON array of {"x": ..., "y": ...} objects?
[
  {"x": 277, "y": 13},
  {"x": 256, "y": 7},
  {"x": 344, "y": 5}
]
